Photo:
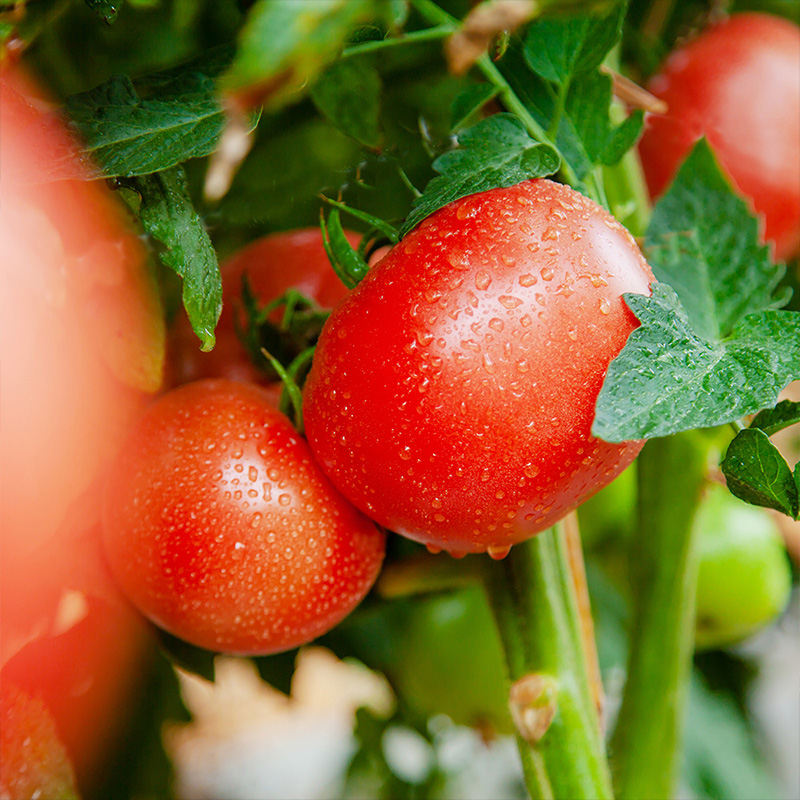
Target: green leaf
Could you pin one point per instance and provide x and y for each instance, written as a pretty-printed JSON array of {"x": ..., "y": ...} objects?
[
  {"x": 469, "y": 100},
  {"x": 495, "y": 153},
  {"x": 107, "y": 10},
  {"x": 168, "y": 215},
  {"x": 587, "y": 111},
  {"x": 346, "y": 262},
  {"x": 154, "y": 125},
  {"x": 711, "y": 347},
  {"x": 668, "y": 378},
  {"x": 772, "y": 420},
  {"x": 622, "y": 138},
  {"x": 704, "y": 242},
  {"x": 348, "y": 93},
  {"x": 557, "y": 49},
  {"x": 586, "y": 137},
  {"x": 386, "y": 228},
  {"x": 758, "y": 474},
  {"x": 283, "y": 46}
]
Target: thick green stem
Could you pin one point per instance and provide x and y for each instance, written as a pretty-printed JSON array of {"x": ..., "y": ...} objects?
[
  {"x": 532, "y": 595},
  {"x": 646, "y": 744}
]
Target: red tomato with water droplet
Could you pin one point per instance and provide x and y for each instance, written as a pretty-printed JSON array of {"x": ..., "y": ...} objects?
[
  {"x": 453, "y": 392},
  {"x": 273, "y": 265},
  {"x": 221, "y": 528},
  {"x": 737, "y": 84}
]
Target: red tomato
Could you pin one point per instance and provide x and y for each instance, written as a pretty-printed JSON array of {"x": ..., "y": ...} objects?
[
  {"x": 222, "y": 530},
  {"x": 452, "y": 393},
  {"x": 737, "y": 84},
  {"x": 81, "y": 347},
  {"x": 273, "y": 264}
]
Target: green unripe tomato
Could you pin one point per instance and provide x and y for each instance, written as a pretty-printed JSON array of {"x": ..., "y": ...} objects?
[
  {"x": 744, "y": 578},
  {"x": 451, "y": 662}
]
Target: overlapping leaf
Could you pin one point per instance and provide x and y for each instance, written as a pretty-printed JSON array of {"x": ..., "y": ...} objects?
[
  {"x": 168, "y": 215},
  {"x": 132, "y": 129},
  {"x": 722, "y": 353},
  {"x": 496, "y": 152}
]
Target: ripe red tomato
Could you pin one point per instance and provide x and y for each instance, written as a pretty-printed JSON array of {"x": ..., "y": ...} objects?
[
  {"x": 453, "y": 391},
  {"x": 737, "y": 84},
  {"x": 272, "y": 264},
  {"x": 222, "y": 530}
]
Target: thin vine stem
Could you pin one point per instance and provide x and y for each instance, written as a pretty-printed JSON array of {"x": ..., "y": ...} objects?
[
  {"x": 415, "y": 37},
  {"x": 505, "y": 94},
  {"x": 533, "y": 599},
  {"x": 646, "y": 744}
]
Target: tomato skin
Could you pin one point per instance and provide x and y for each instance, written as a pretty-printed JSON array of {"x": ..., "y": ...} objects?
[
  {"x": 452, "y": 393},
  {"x": 222, "y": 530},
  {"x": 737, "y": 84},
  {"x": 273, "y": 264}
]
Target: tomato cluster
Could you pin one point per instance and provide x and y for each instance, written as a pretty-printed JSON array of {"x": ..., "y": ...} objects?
[{"x": 451, "y": 400}]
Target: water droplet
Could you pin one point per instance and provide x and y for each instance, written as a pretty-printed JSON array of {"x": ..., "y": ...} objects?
[
  {"x": 498, "y": 551},
  {"x": 433, "y": 549},
  {"x": 551, "y": 234},
  {"x": 598, "y": 280},
  {"x": 252, "y": 473},
  {"x": 522, "y": 365},
  {"x": 509, "y": 301},
  {"x": 605, "y": 306},
  {"x": 482, "y": 280},
  {"x": 508, "y": 260},
  {"x": 527, "y": 279},
  {"x": 496, "y": 324},
  {"x": 530, "y": 470},
  {"x": 547, "y": 273},
  {"x": 284, "y": 499}
]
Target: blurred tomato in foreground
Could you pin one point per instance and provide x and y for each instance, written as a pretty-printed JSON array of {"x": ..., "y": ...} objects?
[{"x": 81, "y": 347}]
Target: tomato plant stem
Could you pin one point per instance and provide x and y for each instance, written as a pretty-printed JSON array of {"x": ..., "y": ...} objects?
[
  {"x": 533, "y": 598},
  {"x": 506, "y": 95},
  {"x": 646, "y": 744},
  {"x": 625, "y": 187}
]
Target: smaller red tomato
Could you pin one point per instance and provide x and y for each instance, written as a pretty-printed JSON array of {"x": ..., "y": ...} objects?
[
  {"x": 737, "y": 84},
  {"x": 222, "y": 530},
  {"x": 272, "y": 265}
]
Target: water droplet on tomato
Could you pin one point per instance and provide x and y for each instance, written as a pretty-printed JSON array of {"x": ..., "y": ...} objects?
[
  {"x": 482, "y": 280},
  {"x": 498, "y": 551},
  {"x": 509, "y": 301}
]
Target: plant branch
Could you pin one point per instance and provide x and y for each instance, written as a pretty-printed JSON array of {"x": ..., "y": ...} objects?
[
  {"x": 532, "y": 595},
  {"x": 663, "y": 567}
]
